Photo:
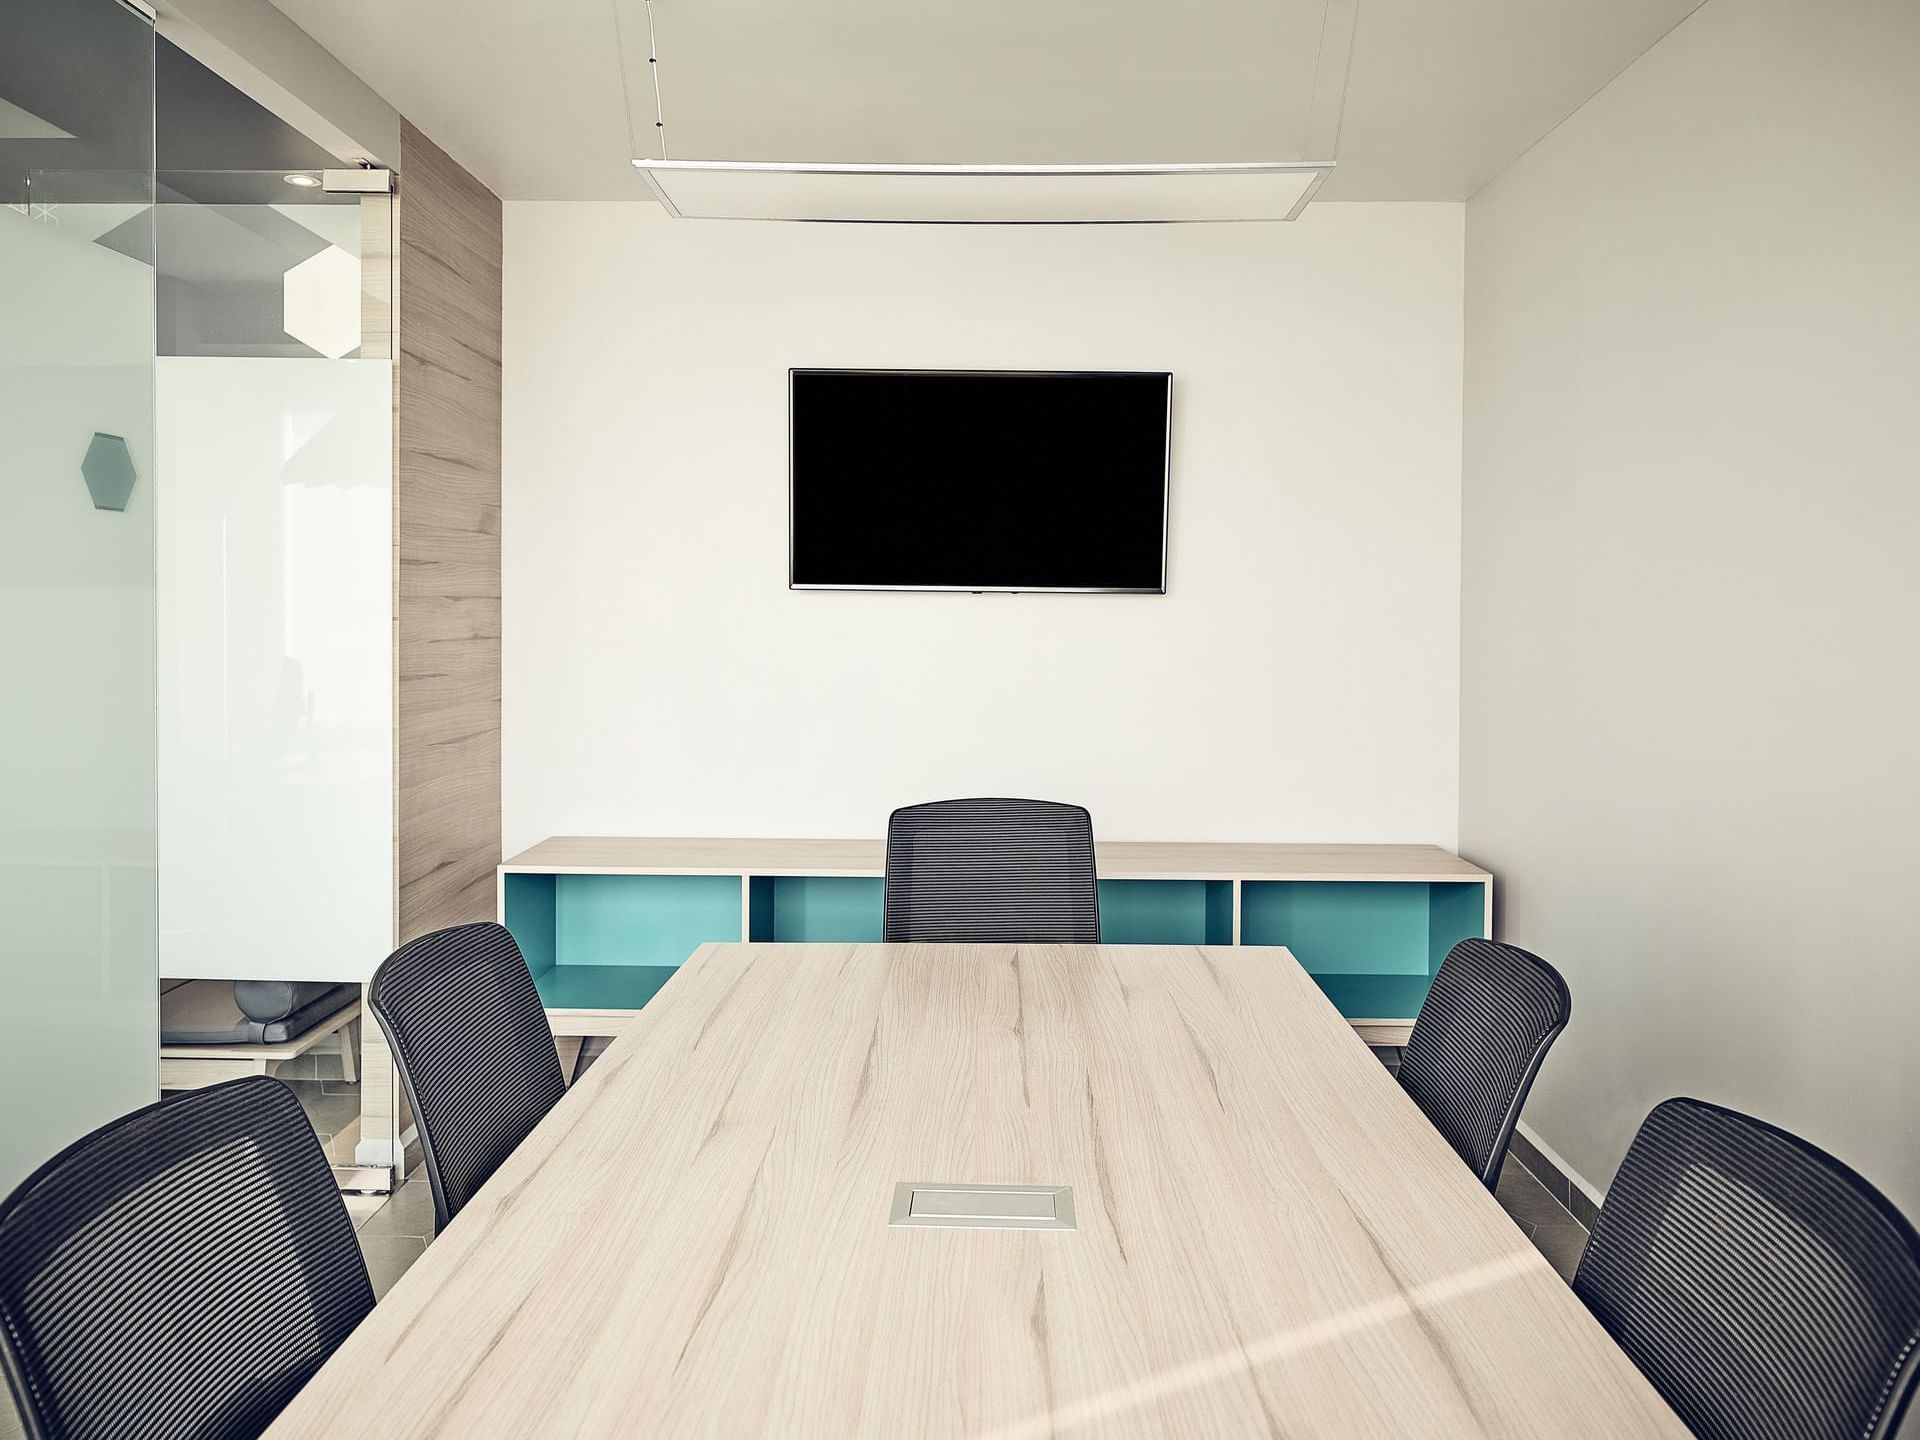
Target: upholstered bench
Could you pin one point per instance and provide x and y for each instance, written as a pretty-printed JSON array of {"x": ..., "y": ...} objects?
[{"x": 214, "y": 1030}]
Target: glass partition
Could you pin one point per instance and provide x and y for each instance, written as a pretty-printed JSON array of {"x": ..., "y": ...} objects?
[
  {"x": 77, "y": 792},
  {"x": 275, "y": 445}
]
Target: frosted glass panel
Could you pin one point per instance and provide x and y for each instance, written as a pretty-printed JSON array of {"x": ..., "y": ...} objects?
[
  {"x": 79, "y": 1017},
  {"x": 276, "y": 681}
]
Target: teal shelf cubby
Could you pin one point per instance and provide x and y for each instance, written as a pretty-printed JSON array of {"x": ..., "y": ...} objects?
[
  {"x": 1166, "y": 912},
  {"x": 1374, "y": 997},
  {"x": 601, "y": 987},
  {"x": 611, "y": 941},
  {"x": 1372, "y": 947},
  {"x": 825, "y": 908}
]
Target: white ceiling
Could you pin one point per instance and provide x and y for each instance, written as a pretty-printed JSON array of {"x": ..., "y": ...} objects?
[{"x": 1444, "y": 93}]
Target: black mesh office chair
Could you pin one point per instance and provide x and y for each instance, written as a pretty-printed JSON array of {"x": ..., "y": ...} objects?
[
  {"x": 992, "y": 870},
  {"x": 1761, "y": 1285},
  {"x": 474, "y": 1049},
  {"x": 1477, "y": 1043},
  {"x": 181, "y": 1271}
]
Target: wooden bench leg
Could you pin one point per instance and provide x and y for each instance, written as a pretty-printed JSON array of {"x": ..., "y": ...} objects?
[
  {"x": 192, "y": 1073},
  {"x": 350, "y": 1051}
]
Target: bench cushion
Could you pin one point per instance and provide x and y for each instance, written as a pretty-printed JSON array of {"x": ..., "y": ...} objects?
[{"x": 248, "y": 1012}]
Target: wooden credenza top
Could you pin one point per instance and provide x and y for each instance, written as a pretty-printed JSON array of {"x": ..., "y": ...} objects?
[{"x": 1117, "y": 859}]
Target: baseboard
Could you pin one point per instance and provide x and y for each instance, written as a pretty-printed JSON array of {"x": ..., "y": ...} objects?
[{"x": 1580, "y": 1195}]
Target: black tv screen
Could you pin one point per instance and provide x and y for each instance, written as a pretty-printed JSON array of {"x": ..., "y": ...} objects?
[{"x": 979, "y": 480}]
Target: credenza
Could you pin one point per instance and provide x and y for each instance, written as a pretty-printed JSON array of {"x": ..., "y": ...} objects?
[{"x": 604, "y": 921}]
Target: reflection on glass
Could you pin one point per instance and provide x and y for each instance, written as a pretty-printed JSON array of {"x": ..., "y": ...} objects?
[{"x": 77, "y": 845}]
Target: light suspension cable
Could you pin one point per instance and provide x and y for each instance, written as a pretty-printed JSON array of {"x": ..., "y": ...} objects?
[{"x": 653, "y": 69}]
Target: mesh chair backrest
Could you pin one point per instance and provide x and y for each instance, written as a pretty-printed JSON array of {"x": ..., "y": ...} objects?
[
  {"x": 1762, "y": 1286},
  {"x": 992, "y": 870},
  {"x": 1477, "y": 1043},
  {"x": 181, "y": 1271},
  {"x": 474, "y": 1050}
]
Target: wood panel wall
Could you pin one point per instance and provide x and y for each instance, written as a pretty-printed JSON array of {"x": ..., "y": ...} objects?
[{"x": 446, "y": 541}]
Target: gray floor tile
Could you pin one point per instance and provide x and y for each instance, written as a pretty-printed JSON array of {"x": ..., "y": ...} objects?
[
  {"x": 388, "y": 1257},
  {"x": 330, "y": 1113},
  {"x": 1526, "y": 1200},
  {"x": 361, "y": 1208},
  {"x": 1563, "y": 1244},
  {"x": 408, "y": 1211},
  {"x": 1583, "y": 1208},
  {"x": 1541, "y": 1218}
]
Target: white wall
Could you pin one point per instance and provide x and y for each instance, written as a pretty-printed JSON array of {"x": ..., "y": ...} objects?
[
  {"x": 1692, "y": 579},
  {"x": 1298, "y": 682}
]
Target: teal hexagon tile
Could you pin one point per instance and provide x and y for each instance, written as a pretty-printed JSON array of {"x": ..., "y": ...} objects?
[{"x": 108, "y": 471}]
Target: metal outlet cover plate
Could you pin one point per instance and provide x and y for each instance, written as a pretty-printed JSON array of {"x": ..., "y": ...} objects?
[{"x": 983, "y": 1207}]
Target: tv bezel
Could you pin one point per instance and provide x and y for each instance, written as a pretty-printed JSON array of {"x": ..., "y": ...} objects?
[{"x": 1166, "y": 484}]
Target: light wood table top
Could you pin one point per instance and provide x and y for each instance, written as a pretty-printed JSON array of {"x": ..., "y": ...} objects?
[
  {"x": 1115, "y": 859},
  {"x": 1272, "y": 1240}
]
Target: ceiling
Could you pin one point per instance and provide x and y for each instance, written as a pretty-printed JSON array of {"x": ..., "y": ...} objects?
[{"x": 1444, "y": 94}]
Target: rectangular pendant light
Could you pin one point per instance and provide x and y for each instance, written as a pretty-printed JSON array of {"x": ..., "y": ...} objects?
[{"x": 984, "y": 194}]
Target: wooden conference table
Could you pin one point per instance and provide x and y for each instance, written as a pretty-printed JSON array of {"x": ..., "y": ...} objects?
[{"x": 1271, "y": 1239}]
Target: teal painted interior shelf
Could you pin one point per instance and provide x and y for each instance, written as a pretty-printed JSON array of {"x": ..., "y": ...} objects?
[{"x": 604, "y": 922}]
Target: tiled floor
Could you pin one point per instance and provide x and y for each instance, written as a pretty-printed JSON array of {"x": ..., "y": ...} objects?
[
  {"x": 331, "y": 1105},
  {"x": 393, "y": 1230},
  {"x": 1554, "y": 1232}
]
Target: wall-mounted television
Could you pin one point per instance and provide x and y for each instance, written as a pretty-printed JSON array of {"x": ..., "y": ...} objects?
[{"x": 1006, "y": 480}]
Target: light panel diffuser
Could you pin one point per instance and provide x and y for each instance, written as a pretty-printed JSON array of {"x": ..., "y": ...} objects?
[{"x": 983, "y": 194}]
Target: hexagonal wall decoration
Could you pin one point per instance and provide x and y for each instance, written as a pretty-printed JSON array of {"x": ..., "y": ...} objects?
[{"x": 108, "y": 471}]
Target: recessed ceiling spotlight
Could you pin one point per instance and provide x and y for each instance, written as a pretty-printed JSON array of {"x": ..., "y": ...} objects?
[{"x": 304, "y": 181}]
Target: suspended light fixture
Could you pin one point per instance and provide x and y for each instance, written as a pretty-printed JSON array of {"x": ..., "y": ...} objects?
[
  {"x": 1294, "y": 117},
  {"x": 983, "y": 194}
]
